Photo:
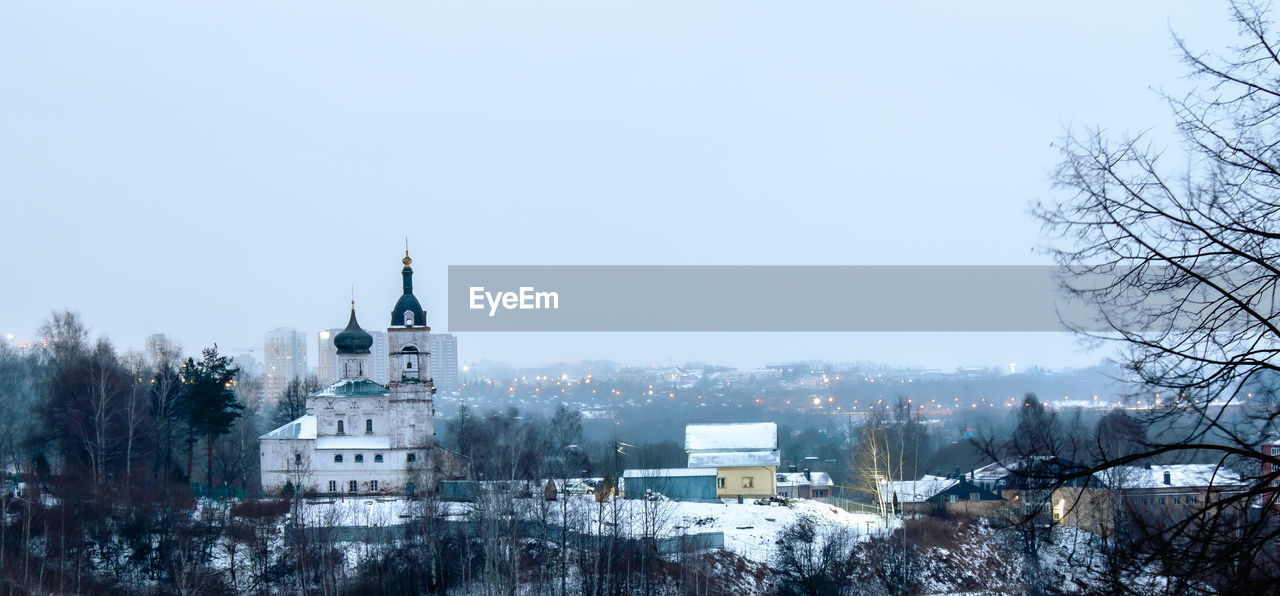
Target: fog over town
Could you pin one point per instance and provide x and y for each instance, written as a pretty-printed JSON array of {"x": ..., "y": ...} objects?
[{"x": 577, "y": 298}]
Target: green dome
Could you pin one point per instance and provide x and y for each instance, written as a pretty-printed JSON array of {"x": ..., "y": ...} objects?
[{"x": 353, "y": 339}]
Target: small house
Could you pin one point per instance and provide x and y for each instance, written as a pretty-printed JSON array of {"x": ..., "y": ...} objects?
[
  {"x": 1159, "y": 494},
  {"x": 954, "y": 494},
  {"x": 805, "y": 485},
  {"x": 744, "y": 455}
]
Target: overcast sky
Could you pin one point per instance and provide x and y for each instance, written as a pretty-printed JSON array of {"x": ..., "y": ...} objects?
[{"x": 215, "y": 170}]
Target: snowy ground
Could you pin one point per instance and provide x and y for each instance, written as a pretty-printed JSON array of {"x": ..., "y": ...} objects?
[{"x": 749, "y": 530}]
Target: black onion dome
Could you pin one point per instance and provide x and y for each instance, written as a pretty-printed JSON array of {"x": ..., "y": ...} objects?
[
  {"x": 408, "y": 303},
  {"x": 353, "y": 339}
]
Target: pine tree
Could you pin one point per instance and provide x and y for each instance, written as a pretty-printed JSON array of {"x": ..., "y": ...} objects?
[{"x": 211, "y": 401}]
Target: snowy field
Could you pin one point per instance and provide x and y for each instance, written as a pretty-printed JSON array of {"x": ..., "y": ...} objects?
[{"x": 749, "y": 530}]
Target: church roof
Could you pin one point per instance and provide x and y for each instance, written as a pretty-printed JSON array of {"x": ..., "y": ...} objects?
[
  {"x": 302, "y": 428},
  {"x": 353, "y": 339},
  {"x": 353, "y": 388}
]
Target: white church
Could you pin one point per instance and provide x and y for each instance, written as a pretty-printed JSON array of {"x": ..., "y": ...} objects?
[{"x": 360, "y": 437}]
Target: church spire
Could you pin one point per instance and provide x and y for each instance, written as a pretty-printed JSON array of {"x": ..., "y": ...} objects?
[
  {"x": 407, "y": 311},
  {"x": 407, "y": 272}
]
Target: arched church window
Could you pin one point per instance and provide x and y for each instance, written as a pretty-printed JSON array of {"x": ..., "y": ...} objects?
[
  {"x": 297, "y": 459},
  {"x": 377, "y": 459},
  {"x": 340, "y": 431},
  {"x": 359, "y": 458},
  {"x": 412, "y": 457},
  {"x": 368, "y": 425},
  {"x": 337, "y": 459}
]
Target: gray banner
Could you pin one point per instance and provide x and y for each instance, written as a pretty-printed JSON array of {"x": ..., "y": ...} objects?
[{"x": 759, "y": 298}]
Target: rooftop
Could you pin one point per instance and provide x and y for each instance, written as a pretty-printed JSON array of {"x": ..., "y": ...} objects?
[
  {"x": 302, "y": 428},
  {"x": 1180, "y": 476},
  {"x": 793, "y": 478},
  {"x": 731, "y": 437},
  {"x": 733, "y": 459},
  {"x": 668, "y": 472},
  {"x": 915, "y": 491}
]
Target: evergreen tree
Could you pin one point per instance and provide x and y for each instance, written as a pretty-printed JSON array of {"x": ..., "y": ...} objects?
[{"x": 211, "y": 401}]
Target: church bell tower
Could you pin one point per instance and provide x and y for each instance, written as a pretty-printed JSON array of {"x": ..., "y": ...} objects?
[{"x": 412, "y": 391}]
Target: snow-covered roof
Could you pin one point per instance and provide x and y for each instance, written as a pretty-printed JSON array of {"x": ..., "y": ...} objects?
[
  {"x": 793, "y": 478},
  {"x": 1180, "y": 476},
  {"x": 302, "y": 428},
  {"x": 915, "y": 491},
  {"x": 730, "y": 437},
  {"x": 668, "y": 472},
  {"x": 733, "y": 459},
  {"x": 994, "y": 471},
  {"x": 354, "y": 442}
]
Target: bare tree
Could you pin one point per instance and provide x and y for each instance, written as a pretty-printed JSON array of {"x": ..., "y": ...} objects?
[
  {"x": 887, "y": 447},
  {"x": 813, "y": 560},
  {"x": 166, "y": 404},
  {"x": 134, "y": 409},
  {"x": 1180, "y": 265},
  {"x": 104, "y": 387}
]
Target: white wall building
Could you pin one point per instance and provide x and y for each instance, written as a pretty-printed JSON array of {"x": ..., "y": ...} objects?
[{"x": 362, "y": 437}]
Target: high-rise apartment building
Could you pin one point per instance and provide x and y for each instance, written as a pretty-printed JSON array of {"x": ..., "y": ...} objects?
[
  {"x": 284, "y": 355},
  {"x": 444, "y": 361},
  {"x": 327, "y": 356},
  {"x": 379, "y": 364},
  {"x": 161, "y": 348},
  {"x": 327, "y": 368}
]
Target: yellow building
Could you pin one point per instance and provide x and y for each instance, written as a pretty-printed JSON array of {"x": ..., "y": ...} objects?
[{"x": 745, "y": 457}]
